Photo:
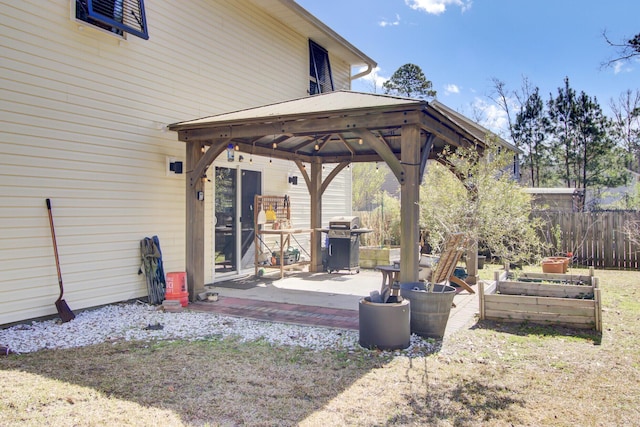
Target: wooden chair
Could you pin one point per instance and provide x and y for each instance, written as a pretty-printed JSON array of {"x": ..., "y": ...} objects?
[{"x": 454, "y": 246}]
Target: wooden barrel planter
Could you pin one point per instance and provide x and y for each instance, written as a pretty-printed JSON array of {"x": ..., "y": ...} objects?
[
  {"x": 551, "y": 299},
  {"x": 429, "y": 309}
]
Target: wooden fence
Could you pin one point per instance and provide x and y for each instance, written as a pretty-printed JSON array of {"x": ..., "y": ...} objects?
[{"x": 596, "y": 238}]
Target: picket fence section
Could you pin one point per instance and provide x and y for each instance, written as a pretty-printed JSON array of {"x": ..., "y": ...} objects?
[{"x": 597, "y": 238}]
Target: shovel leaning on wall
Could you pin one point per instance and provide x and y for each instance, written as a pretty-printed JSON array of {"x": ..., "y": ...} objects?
[{"x": 61, "y": 305}]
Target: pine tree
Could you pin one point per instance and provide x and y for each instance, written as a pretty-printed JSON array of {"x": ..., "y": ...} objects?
[
  {"x": 529, "y": 134},
  {"x": 409, "y": 81},
  {"x": 561, "y": 112}
]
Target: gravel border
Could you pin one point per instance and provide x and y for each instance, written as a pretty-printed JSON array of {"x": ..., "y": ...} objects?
[{"x": 142, "y": 322}]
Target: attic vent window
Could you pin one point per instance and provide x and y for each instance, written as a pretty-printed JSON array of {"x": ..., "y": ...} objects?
[
  {"x": 117, "y": 16},
  {"x": 320, "y": 80}
]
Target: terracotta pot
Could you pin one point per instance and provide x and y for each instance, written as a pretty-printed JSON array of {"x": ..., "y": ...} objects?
[
  {"x": 565, "y": 261},
  {"x": 551, "y": 266}
]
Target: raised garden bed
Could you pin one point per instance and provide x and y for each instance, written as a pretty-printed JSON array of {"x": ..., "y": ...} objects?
[
  {"x": 371, "y": 257},
  {"x": 552, "y": 299}
]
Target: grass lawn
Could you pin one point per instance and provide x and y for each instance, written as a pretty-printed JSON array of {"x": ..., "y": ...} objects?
[{"x": 498, "y": 374}]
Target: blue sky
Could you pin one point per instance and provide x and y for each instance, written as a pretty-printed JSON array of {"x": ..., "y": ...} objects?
[{"x": 462, "y": 45}]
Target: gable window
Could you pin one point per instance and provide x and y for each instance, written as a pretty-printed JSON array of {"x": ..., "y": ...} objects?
[
  {"x": 117, "y": 16},
  {"x": 320, "y": 80}
]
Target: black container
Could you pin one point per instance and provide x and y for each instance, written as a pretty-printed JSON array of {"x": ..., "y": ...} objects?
[{"x": 385, "y": 326}]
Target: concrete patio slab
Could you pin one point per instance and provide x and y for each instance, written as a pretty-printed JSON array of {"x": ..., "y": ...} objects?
[{"x": 321, "y": 299}]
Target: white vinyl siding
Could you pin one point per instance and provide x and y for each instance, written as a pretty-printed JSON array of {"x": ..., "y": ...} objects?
[{"x": 83, "y": 116}]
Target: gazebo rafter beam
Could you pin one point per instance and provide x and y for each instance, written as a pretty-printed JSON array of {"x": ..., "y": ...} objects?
[
  {"x": 346, "y": 144},
  {"x": 436, "y": 123},
  {"x": 309, "y": 141},
  {"x": 383, "y": 151},
  {"x": 306, "y": 127}
]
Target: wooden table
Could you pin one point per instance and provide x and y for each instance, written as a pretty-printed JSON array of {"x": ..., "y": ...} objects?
[
  {"x": 285, "y": 235},
  {"x": 390, "y": 275}
]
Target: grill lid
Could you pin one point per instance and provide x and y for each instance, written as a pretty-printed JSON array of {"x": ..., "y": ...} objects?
[{"x": 344, "y": 223}]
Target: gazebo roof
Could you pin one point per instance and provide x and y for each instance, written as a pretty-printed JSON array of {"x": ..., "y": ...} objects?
[
  {"x": 328, "y": 127},
  {"x": 337, "y": 127}
]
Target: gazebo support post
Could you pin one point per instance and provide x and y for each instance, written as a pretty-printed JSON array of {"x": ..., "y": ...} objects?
[
  {"x": 315, "y": 194},
  {"x": 194, "y": 222},
  {"x": 409, "y": 199}
]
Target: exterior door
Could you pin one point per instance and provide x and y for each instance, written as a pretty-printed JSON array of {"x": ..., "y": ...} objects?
[{"x": 234, "y": 224}]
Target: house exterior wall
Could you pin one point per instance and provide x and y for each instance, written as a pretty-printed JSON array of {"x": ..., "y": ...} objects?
[{"x": 83, "y": 123}]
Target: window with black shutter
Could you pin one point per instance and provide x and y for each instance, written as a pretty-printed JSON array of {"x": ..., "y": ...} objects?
[
  {"x": 117, "y": 16},
  {"x": 320, "y": 79}
]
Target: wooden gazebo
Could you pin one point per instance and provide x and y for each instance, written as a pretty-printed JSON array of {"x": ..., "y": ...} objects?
[{"x": 336, "y": 128}]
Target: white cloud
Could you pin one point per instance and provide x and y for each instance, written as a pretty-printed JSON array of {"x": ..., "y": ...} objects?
[
  {"x": 385, "y": 23},
  {"x": 492, "y": 117},
  {"x": 437, "y": 7},
  {"x": 621, "y": 67},
  {"x": 451, "y": 89},
  {"x": 372, "y": 82}
]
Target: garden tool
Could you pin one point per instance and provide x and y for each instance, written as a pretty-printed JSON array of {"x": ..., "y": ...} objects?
[{"x": 61, "y": 305}]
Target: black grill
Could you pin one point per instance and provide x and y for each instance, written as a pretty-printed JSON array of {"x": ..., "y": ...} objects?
[{"x": 343, "y": 246}]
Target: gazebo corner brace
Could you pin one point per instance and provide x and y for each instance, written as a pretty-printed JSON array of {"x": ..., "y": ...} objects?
[{"x": 383, "y": 151}]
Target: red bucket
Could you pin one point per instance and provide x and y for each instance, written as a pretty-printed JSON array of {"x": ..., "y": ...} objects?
[{"x": 177, "y": 287}]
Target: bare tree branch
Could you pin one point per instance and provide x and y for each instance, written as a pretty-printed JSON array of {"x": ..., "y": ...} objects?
[{"x": 626, "y": 50}]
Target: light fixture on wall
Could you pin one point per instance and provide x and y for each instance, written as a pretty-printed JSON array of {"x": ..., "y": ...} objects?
[
  {"x": 175, "y": 167},
  {"x": 359, "y": 141},
  {"x": 293, "y": 180},
  {"x": 230, "y": 152}
]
